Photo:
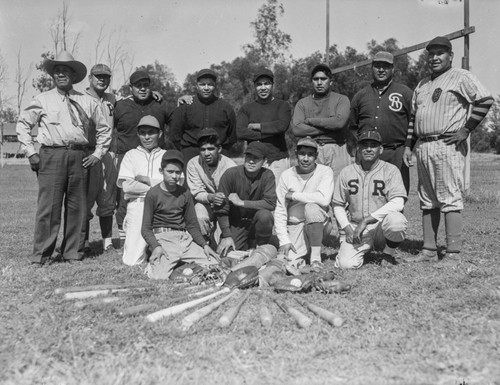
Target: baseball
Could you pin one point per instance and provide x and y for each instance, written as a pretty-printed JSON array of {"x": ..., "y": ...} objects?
[
  {"x": 187, "y": 271},
  {"x": 296, "y": 282}
]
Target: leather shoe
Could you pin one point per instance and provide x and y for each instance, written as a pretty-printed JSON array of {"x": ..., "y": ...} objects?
[{"x": 424, "y": 256}]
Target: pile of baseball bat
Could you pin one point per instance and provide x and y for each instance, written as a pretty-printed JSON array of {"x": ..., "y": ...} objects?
[{"x": 105, "y": 294}]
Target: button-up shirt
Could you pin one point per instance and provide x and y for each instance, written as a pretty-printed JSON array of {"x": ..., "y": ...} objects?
[{"x": 49, "y": 111}]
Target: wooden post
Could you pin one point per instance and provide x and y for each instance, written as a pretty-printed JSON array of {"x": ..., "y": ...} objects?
[{"x": 465, "y": 65}]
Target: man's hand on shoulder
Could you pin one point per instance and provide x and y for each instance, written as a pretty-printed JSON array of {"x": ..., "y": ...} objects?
[
  {"x": 185, "y": 99},
  {"x": 34, "y": 162},
  {"x": 157, "y": 96}
]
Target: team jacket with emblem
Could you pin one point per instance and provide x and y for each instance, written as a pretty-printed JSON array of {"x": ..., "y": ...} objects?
[
  {"x": 389, "y": 112},
  {"x": 365, "y": 192}
]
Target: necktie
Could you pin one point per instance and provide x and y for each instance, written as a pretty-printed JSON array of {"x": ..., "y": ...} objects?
[{"x": 88, "y": 125}]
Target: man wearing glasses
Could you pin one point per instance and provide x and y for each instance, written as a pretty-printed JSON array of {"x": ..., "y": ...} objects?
[
  {"x": 128, "y": 113},
  {"x": 205, "y": 110}
]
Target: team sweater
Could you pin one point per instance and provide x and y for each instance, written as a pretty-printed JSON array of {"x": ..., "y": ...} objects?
[
  {"x": 274, "y": 117},
  {"x": 315, "y": 187},
  {"x": 174, "y": 210}
]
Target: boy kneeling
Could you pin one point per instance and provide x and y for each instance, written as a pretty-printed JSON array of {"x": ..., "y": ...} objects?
[{"x": 169, "y": 224}]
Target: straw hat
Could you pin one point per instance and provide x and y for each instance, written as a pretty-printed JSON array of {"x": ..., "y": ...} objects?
[{"x": 65, "y": 58}]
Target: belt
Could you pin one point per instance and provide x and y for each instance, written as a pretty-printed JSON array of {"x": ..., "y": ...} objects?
[
  {"x": 434, "y": 138},
  {"x": 75, "y": 147},
  {"x": 138, "y": 199},
  {"x": 159, "y": 230},
  {"x": 392, "y": 146}
]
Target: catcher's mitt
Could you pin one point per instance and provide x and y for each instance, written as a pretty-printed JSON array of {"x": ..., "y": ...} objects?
[{"x": 242, "y": 278}]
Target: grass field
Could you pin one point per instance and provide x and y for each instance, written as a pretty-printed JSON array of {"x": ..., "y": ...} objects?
[{"x": 405, "y": 324}]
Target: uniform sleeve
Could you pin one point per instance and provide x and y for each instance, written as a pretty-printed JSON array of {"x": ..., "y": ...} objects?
[
  {"x": 126, "y": 177},
  {"x": 281, "y": 212},
  {"x": 103, "y": 131},
  {"x": 28, "y": 118},
  {"x": 299, "y": 126},
  {"x": 340, "y": 190},
  {"x": 323, "y": 194},
  {"x": 339, "y": 116},
  {"x": 394, "y": 205},
  {"x": 222, "y": 212},
  {"x": 280, "y": 125},
  {"x": 147, "y": 221},
  {"x": 192, "y": 225},
  {"x": 354, "y": 113},
  {"x": 195, "y": 183},
  {"x": 268, "y": 200},
  {"x": 396, "y": 186},
  {"x": 242, "y": 122},
  {"x": 231, "y": 129}
]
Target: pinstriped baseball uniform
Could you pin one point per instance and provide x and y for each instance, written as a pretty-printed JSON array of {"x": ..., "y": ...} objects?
[{"x": 441, "y": 106}]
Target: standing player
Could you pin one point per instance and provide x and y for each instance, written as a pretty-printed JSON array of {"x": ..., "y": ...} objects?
[
  {"x": 266, "y": 119},
  {"x": 102, "y": 177},
  {"x": 385, "y": 105},
  {"x": 324, "y": 116},
  {"x": 446, "y": 108},
  {"x": 374, "y": 194}
]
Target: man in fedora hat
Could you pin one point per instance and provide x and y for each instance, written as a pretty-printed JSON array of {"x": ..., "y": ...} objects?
[
  {"x": 71, "y": 126},
  {"x": 384, "y": 105},
  {"x": 205, "y": 110}
]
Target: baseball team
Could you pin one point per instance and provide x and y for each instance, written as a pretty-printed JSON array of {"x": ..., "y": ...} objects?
[{"x": 178, "y": 197}]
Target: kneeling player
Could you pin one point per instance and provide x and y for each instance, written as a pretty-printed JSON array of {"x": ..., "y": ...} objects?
[
  {"x": 169, "y": 224},
  {"x": 304, "y": 194},
  {"x": 374, "y": 194}
]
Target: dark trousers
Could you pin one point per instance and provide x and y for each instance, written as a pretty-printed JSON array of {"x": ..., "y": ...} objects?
[
  {"x": 121, "y": 203},
  {"x": 395, "y": 157},
  {"x": 61, "y": 180},
  {"x": 258, "y": 230}
]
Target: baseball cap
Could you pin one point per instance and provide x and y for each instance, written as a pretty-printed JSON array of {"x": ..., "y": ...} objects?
[
  {"x": 307, "y": 142},
  {"x": 384, "y": 57},
  {"x": 139, "y": 75},
  {"x": 206, "y": 72},
  {"x": 149, "y": 121},
  {"x": 173, "y": 155},
  {"x": 440, "y": 41},
  {"x": 321, "y": 68},
  {"x": 263, "y": 73},
  {"x": 206, "y": 132},
  {"x": 100, "y": 69},
  {"x": 256, "y": 149},
  {"x": 370, "y": 135}
]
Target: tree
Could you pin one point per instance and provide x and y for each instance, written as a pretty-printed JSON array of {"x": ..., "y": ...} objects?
[
  {"x": 271, "y": 44},
  {"x": 21, "y": 79},
  {"x": 43, "y": 82}
]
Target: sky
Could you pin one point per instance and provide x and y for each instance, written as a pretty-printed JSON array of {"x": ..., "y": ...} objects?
[{"x": 187, "y": 35}]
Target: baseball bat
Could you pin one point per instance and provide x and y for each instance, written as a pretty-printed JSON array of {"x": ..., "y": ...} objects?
[
  {"x": 133, "y": 310},
  {"x": 71, "y": 289},
  {"x": 194, "y": 317},
  {"x": 229, "y": 316},
  {"x": 328, "y": 316},
  {"x": 266, "y": 318},
  {"x": 97, "y": 293},
  {"x": 173, "y": 310},
  {"x": 300, "y": 318},
  {"x": 96, "y": 301}
]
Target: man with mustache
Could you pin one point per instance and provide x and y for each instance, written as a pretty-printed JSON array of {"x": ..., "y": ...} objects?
[
  {"x": 304, "y": 194},
  {"x": 266, "y": 119},
  {"x": 74, "y": 136}
]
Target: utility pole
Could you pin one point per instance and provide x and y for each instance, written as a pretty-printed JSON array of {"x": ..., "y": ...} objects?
[{"x": 327, "y": 56}]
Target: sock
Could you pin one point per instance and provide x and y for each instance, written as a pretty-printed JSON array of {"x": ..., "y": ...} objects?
[
  {"x": 106, "y": 242},
  {"x": 106, "y": 224},
  {"x": 87, "y": 244},
  {"x": 430, "y": 226},
  {"x": 453, "y": 224},
  {"x": 315, "y": 253}
]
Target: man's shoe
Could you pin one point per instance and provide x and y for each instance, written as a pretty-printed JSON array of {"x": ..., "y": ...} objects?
[
  {"x": 450, "y": 260},
  {"x": 424, "y": 256},
  {"x": 39, "y": 262},
  {"x": 317, "y": 266}
]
